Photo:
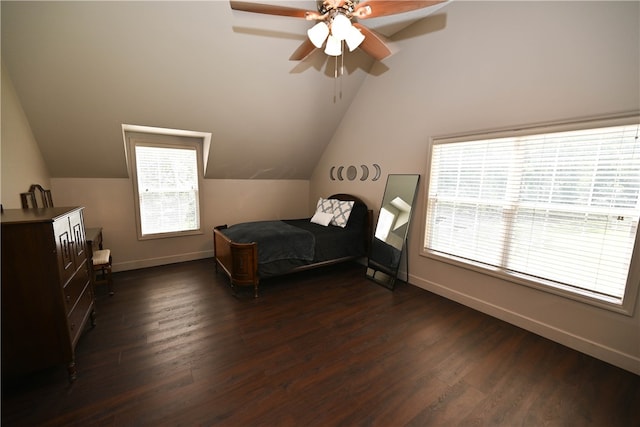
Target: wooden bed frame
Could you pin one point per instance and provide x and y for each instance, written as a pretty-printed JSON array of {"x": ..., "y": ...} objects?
[{"x": 239, "y": 261}]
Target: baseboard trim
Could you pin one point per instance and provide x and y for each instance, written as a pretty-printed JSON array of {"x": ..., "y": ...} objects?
[
  {"x": 155, "y": 262},
  {"x": 609, "y": 355}
]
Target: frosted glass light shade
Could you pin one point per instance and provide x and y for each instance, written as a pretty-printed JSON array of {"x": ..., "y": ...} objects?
[
  {"x": 318, "y": 34},
  {"x": 334, "y": 46},
  {"x": 354, "y": 38},
  {"x": 340, "y": 26}
]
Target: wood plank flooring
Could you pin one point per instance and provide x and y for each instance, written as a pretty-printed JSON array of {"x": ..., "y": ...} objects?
[{"x": 327, "y": 347}]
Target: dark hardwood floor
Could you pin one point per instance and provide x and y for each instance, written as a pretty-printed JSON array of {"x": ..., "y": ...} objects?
[{"x": 321, "y": 348}]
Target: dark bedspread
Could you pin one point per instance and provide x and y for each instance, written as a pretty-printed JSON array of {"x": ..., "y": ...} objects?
[
  {"x": 277, "y": 240},
  {"x": 332, "y": 242},
  {"x": 327, "y": 244}
]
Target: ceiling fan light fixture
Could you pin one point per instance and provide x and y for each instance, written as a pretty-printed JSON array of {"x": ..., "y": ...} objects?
[
  {"x": 354, "y": 38},
  {"x": 340, "y": 26},
  {"x": 318, "y": 34},
  {"x": 334, "y": 46}
]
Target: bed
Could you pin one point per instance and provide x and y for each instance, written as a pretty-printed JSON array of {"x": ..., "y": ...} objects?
[{"x": 250, "y": 251}]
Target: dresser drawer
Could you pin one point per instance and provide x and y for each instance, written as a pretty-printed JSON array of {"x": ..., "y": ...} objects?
[
  {"x": 79, "y": 314},
  {"x": 78, "y": 234},
  {"x": 47, "y": 296},
  {"x": 74, "y": 287}
]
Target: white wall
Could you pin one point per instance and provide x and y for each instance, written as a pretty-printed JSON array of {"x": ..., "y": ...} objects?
[
  {"x": 495, "y": 65},
  {"x": 22, "y": 162},
  {"x": 109, "y": 204}
]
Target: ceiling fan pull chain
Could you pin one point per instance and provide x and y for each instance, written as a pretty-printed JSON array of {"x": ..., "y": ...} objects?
[
  {"x": 335, "y": 78},
  {"x": 341, "y": 67}
]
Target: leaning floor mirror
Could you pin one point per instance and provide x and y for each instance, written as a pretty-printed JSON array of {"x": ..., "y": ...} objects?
[{"x": 389, "y": 240}]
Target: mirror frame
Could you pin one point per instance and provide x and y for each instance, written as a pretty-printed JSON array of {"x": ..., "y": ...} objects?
[{"x": 384, "y": 258}]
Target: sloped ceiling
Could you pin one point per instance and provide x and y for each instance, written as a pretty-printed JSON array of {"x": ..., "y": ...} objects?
[{"x": 83, "y": 69}]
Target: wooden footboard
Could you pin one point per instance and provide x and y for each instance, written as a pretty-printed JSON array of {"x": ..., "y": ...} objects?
[{"x": 239, "y": 261}]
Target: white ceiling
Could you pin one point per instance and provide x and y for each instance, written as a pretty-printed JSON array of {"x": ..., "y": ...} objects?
[{"x": 83, "y": 69}]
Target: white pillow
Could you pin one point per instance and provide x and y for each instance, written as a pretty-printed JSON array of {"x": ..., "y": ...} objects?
[
  {"x": 341, "y": 212},
  {"x": 322, "y": 218},
  {"x": 325, "y": 205}
]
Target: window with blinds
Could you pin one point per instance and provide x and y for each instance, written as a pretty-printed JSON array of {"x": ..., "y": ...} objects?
[
  {"x": 558, "y": 209},
  {"x": 167, "y": 189}
]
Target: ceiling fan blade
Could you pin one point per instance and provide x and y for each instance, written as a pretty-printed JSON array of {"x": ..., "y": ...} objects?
[
  {"x": 303, "y": 51},
  {"x": 376, "y": 8},
  {"x": 272, "y": 10},
  {"x": 374, "y": 44}
]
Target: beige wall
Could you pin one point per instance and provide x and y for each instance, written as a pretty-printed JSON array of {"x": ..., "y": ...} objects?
[
  {"x": 495, "y": 65},
  {"x": 22, "y": 162},
  {"x": 109, "y": 204}
]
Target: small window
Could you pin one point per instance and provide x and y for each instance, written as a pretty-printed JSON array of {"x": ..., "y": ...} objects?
[
  {"x": 166, "y": 179},
  {"x": 556, "y": 209}
]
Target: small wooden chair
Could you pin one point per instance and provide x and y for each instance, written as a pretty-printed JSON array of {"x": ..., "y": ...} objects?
[{"x": 102, "y": 264}]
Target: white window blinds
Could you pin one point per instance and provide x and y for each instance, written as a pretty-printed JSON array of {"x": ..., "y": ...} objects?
[
  {"x": 167, "y": 189},
  {"x": 559, "y": 208}
]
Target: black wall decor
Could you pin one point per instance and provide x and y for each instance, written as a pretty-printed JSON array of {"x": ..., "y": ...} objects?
[{"x": 350, "y": 173}]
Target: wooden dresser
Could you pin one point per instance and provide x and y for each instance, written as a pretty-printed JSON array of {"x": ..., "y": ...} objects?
[{"x": 47, "y": 298}]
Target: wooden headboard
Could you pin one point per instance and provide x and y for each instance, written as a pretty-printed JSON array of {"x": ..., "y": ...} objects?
[{"x": 369, "y": 222}]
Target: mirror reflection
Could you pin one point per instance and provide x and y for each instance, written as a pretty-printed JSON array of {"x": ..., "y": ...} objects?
[{"x": 392, "y": 228}]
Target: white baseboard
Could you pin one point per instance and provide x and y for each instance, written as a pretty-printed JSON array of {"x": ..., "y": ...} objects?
[
  {"x": 154, "y": 262},
  {"x": 581, "y": 344}
]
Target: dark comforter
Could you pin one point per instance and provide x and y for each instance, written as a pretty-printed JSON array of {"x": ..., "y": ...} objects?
[
  {"x": 299, "y": 242},
  {"x": 289, "y": 244},
  {"x": 276, "y": 240},
  {"x": 332, "y": 242}
]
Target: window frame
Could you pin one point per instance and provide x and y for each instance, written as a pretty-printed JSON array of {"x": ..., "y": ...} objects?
[
  {"x": 626, "y": 306},
  {"x": 165, "y": 141}
]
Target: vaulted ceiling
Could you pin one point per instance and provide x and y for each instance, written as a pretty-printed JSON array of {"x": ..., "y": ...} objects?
[{"x": 83, "y": 69}]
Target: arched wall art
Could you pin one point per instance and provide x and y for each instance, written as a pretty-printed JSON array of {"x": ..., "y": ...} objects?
[{"x": 350, "y": 173}]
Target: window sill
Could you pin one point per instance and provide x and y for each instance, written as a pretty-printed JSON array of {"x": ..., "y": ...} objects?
[{"x": 169, "y": 235}]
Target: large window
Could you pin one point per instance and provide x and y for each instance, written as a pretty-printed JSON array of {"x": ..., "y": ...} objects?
[
  {"x": 167, "y": 187},
  {"x": 556, "y": 209}
]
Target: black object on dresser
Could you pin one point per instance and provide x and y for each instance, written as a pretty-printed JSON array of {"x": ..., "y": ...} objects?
[{"x": 47, "y": 297}]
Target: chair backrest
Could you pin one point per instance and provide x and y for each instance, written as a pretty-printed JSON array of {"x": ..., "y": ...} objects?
[{"x": 30, "y": 200}]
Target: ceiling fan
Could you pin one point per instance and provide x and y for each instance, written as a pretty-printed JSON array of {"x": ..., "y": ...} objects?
[{"x": 337, "y": 23}]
